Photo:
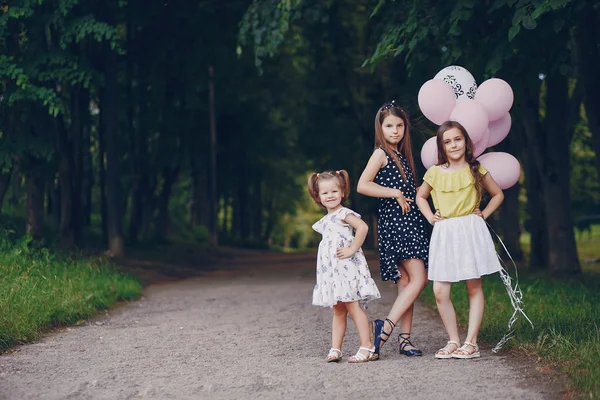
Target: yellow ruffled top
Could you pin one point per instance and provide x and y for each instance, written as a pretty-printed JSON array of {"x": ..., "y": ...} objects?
[{"x": 453, "y": 193}]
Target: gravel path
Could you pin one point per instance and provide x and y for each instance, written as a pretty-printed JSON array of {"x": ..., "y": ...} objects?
[{"x": 248, "y": 330}]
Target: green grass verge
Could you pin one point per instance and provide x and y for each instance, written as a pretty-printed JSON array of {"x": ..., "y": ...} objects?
[
  {"x": 40, "y": 290},
  {"x": 564, "y": 311}
]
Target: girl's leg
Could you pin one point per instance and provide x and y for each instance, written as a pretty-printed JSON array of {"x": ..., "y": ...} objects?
[
  {"x": 362, "y": 325},
  {"x": 417, "y": 280},
  {"x": 441, "y": 290},
  {"x": 476, "y": 307},
  {"x": 405, "y": 323},
  {"x": 338, "y": 326}
]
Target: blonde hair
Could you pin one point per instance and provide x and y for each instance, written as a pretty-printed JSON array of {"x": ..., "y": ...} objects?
[{"x": 343, "y": 180}]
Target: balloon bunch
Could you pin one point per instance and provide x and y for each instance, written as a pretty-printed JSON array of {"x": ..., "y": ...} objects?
[{"x": 484, "y": 112}]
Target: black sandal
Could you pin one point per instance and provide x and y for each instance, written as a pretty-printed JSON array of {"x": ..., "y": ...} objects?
[
  {"x": 406, "y": 342},
  {"x": 378, "y": 341}
]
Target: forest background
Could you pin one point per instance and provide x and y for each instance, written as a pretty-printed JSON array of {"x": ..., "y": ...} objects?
[
  {"x": 106, "y": 109},
  {"x": 128, "y": 125}
]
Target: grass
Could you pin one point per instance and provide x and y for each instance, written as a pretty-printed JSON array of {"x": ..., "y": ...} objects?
[
  {"x": 40, "y": 290},
  {"x": 564, "y": 311}
]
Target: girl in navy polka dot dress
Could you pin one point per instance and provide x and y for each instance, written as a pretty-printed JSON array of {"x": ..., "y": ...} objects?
[{"x": 402, "y": 236}]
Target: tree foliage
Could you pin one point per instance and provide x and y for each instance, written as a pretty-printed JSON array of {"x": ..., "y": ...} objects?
[{"x": 105, "y": 108}]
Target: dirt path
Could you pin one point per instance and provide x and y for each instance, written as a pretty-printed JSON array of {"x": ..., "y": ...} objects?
[{"x": 248, "y": 330}]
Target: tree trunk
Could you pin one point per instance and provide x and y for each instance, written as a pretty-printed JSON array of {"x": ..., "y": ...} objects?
[
  {"x": 87, "y": 172},
  {"x": 587, "y": 36},
  {"x": 271, "y": 219},
  {"x": 257, "y": 210},
  {"x": 200, "y": 207},
  {"x": 163, "y": 219},
  {"x": 139, "y": 193},
  {"x": 509, "y": 211},
  {"x": 204, "y": 206},
  {"x": 100, "y": 162},
  {"x": 533, "y": 165},
  {"x": 16, "y": 186},
  {"x": 109, "y": 115},
  {"x": 237, "y": 211},
  {"x": 227, "y": 221},
  {"x": 35, "y": 198},
  {"x": 70, "y": 170},
  {"x": 66, "y": 172},
  {"x": 214, "y": 207},
  {"x": 243, "y": 206},
  {"x": 8, "y": 117},
  {"x": 149, "y": 205},
  {"x": 562, "y": 256},
  {"x": 36, "y": 175},
  {"x": 509, "y": 222},
  {"x": 10, "y": 126},
  {"x": 53, "y": 200},
  {"x": 4, "y": 185},
  {"x": 139, "y": 150}
]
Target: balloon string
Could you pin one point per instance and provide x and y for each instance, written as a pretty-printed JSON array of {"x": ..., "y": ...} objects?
[{"x": 514, "y": 293}]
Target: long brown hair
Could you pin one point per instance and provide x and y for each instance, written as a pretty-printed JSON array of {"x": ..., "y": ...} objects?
[
  {"x": 404, "y": 146},
  {"x": 469, "y": 153},
  {"x": 343, "y": 180}
]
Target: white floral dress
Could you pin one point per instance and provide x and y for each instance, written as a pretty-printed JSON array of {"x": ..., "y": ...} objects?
[{"x": 344, "y": 280}]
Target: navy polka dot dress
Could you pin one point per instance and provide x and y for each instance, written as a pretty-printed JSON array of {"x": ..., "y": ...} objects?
[{"x": 400, "y": 236}]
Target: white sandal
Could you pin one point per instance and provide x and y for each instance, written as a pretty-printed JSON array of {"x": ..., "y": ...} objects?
[
  {"x": 334, "y": 355},
  {"x": 360, "y": 357},
  {"x": 446, "y": 352},
  {"x": 466, "y": 349}
]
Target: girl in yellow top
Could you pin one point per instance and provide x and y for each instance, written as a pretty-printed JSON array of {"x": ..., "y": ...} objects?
[{"x": 461, "y": 247}]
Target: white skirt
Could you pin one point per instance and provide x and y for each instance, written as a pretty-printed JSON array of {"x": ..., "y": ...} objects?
[{"x": 461, "y": 248}]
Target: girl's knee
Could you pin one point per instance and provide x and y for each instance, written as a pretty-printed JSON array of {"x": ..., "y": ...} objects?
[
  {"x": 403, "y": 282},
  {"x": 441, "y": 298},
  {"x": 441, "y": 293},
  {"x": 354, "y": 309},
  {"x": 474, "y": 288},
  {"x": 475, "y": 292},
  {"x": 423, "y": 281},
  {"x": 340, "y": 310}
]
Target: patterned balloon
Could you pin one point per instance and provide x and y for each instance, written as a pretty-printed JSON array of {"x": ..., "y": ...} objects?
[{"x": 460, "y": 80}]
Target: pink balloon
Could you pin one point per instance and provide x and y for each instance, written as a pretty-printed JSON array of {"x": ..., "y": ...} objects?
[
  {"x": 499, "y": 129},
  {"x": 472, "y": 116},
  {"x": 436, "y": 101},
  {"x": 482, "y": 144},
  {"x": 429, "y": 154},
  {"x": 496, "y": 96},
  {"x": 504, "y": 168}
]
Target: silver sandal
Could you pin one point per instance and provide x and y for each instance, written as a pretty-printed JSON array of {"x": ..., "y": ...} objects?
[
  {"x": 334, "y": 355},
  {"x": 360, "y": 357},
  {"x": 445, "y": 351},
  {"x": 466, "y": 349}
]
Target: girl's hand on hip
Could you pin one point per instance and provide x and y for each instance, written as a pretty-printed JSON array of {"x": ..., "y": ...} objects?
[
  {"x": 344, "y": 252},
  {"x": 436, "y": 217},
  {"x": 403, "y": 202},
  {"x": 478, "y": 212}
]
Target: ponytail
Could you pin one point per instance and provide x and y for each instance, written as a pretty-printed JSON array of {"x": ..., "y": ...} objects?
[{"x": 343, "y": 180}]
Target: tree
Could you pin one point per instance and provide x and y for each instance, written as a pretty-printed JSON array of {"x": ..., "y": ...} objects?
[{"x": 489, "y": 39}]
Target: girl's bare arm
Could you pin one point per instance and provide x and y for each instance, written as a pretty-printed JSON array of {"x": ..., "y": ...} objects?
[
  {"x": 366, "y": 184},
  {"x": 422, "y": 195},
  {"x": 361, "y": 229},
  {"x": 494, "y": 190}
]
